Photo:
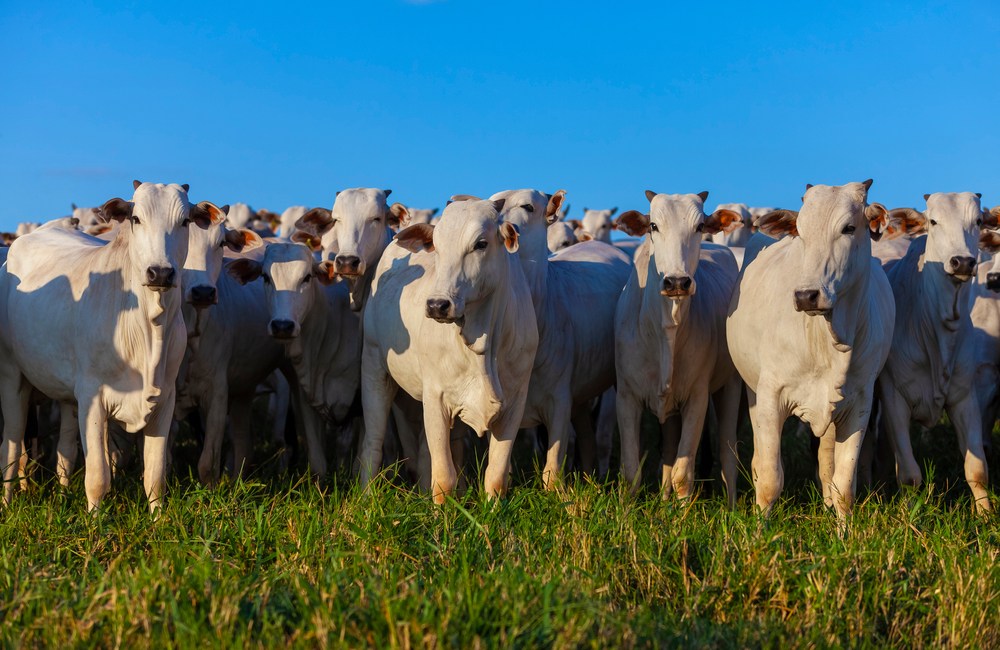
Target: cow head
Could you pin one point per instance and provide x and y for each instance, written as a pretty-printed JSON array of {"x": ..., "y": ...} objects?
[
  {"x": 288, "y": 271},
  {"x": 472, "y": 246},
  {"x": 835, "y": 227},
  {"x": 418, "y": 215},
  {"x": 675, "y": 225},
  {"x": 156, "y": 232},
  {"x": 356, "y": 231},
  {"x": 599, "y": 223},
  {"x": 740, "y": 235},
  {"x": 88, "y": 218},
  {"x": 953, "y": 221},
  {"x": 989, "y": 242},
  {"x": 561, "y": 235},
  {"x": 532, "y": 212},
  {"x": 205, "y": 258}
]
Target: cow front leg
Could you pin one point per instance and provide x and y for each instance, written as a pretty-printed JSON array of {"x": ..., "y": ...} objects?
[
  {"x": 437, "y": 425},
  {"x": 966, "y": 417},
  {"x": 69, "y": 445},
  {"x": 558, "y": 428},
  {"x": 629, "y": 416},
  {"x": 670, "y": 440},
  {"x": 240, "y": 434},
  {"x": 495, "y": 480},
  {"x": 847, "y": 452},
  {"x": 692, "y": 424},
  {"x": 768, "y": 472},
  {"x": 156, "y": 453},
  {"x": 606, "y": 420},
  {"x": 728, "y": 408},
  {"x": 586, "y": 442},
  {"x": 14, "y": 402},
  {"x": 210, "y": 461},
  {"x": 896, "y": 420},
  {"x": 94, "y": 428}
]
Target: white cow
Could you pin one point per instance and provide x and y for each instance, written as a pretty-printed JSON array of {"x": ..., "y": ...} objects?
[
  {"x": 985, "y": 315},
  {"x": 670, "y": 337},
  {"x": 100, "y": 324},
  {"x": 309, "y": 313},
  {"x": 288, "y": 219},
  {"x": 931, "y": 368},
  {"x": 574, "y": 294},
  {"x": 563, "y": 234},
  {"x": 739, "y": 237},
  {"x": 598, "y": 224},
  {"x": 423, "y": 215},
  {"x": 809, "y": 328},
  {"x": 87, "y": 218},
  {"x": 450, "y": 321},
  {"x": 354, "y": 233}
]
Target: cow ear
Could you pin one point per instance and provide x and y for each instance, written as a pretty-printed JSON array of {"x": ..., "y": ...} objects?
[
  {"x": 509, "y": 233},
  {"x": 878, "y": 221},
  {"x": 991, "y": 218},
  {"x": 989, "y": 241},
  {"x": 186, "y": 187},
  {"x": 552, "y": 209},
  {"x": 633, "y": 222},
  {"x": 7, "y": 238},
  {"x": 649, "y": 195},
  {"x": 136, "y": 184},
  {"x": 73, "y": 205},
  {"x": 498, "y": 205},
  {"x": 244, "y": 270},
  {"x": 242, "y": 240},
  {"x": 905, "y": 221},
  {"x": 723, "y": 221},
  {"x": 399, "y": 216},
  {"x": 117, "y": 210},
  {"x": 311, "y": 241},
  {"x": 703, "y": 195},
  {"x": 433, "y": 212},
  {"x": 316, "y": 221},
  {"x": 583, "y": 236},
  {"x": 416, "y": 238},
  {"x": 613, "y": 211},
  {"x": 324, "y": 272},
  {"x": 778, "y": 223},
  {"x": 926, "y": 196},
  {"x": 463, "y": 197},
  {"x": 206, "y": 214}
]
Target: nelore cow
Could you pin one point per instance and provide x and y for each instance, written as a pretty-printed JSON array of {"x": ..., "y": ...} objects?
[
  {"x": 100, "y": 324},
  {"x": 670, "y": 337},
  {"x": 450, "y": 321},
  {"x": 809, "y": 328}
]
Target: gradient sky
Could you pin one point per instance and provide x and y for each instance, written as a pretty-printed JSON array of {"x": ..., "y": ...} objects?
[{"x": 285, "y": 103}]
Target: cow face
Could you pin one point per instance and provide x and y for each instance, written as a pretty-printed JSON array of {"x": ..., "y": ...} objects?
[
  {"x": 560, "y": 235},
  {"x": 835, "y": 227},
  {"x": 205, "y": 258},
  {"x": 88, "y": 218},
  {"x": 420, "y": 216},
  {"x": 156, "y": 231},
  {"x": 471, "y": 246},
  {"x": 953, "y": 221},
  {"x": 532, "y": 212},
  {"x": 288, "y": 272},
  {"x": 599, "y": 223},
  {"x": 354, "y": 233},
  {"x": 676, "y": 224}
]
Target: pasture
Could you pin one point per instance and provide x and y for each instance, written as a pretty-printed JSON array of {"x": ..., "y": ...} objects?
[{"x": 274, "y": 561}]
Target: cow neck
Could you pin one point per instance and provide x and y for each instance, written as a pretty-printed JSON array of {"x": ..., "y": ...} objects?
[
  {"x": 303, "y": 351},
  {"x": 662, "y": 319},
  {"x": 361, "y": 287},
  {"x": 939, "y": 302},
  {"x": 145, "y": 316}
]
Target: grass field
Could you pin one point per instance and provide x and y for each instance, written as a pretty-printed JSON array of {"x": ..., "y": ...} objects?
[{"x": 274, "y": 561}]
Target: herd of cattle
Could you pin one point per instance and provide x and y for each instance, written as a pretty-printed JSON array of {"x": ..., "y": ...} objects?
[{"x": 500, "y": 316}]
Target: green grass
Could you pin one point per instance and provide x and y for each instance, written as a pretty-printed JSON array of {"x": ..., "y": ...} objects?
[{"x": 276, "y": 561}]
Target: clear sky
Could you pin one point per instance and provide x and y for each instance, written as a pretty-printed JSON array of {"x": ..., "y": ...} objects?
[{"x": 284, "y": 103}]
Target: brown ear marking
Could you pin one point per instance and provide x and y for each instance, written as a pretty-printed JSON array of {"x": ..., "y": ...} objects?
[
  {"x": 309, "y": 239},
  {"x": 991, "y": 218},
  {"x": 509, "y": 233},
  {"x": 906, "y": 220},
  {"x": 324, "y": 272},
  {"x": 242, "y": 239},
  {"x": 878, "y": 221},
  {"x": 117, "y": 209},
  {"x": 316, "y": 221},
  {"x": 399, "y": 216},
  {"x": 416, "y": 238},
  {"x": 633, "y": 222},
  {"x": 552, "y": 209},
  {"x": 989, "y": 241},
  {"x": 244, "y": 270},
  {"x": 206, "y": 214},
  {"x": 778, "y": 223},
  {"x": 723, "y": 220},
  {"x": 574, "y": 223}
]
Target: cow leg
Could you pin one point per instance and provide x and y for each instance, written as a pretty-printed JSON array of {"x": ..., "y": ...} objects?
[
  {"x": 849, "y": 437},
  {"x": 94, "y": 428},
  {"x": 629, "y": 416},
  {"x": 457, "y": 439},
  {"x": 670, "y": 438},
  {"x": 692, "y": 424},
  {"x": 437, "y": 425},
  {"x": 313, "y": 428},
  {"x": 498, "y": 463},
  {"x": 14, "y": 400},
  {"x": 68, "y": 447},
  {"x": 408, "y": 417},
  {"x": 768, "y": 473},
  {"x": 377, "y": 392},
  {"x": 965, "y": 415},
  {"x": 827, "y": 443},
  {"x": 896, "y": 419},
  {"x": 156, "y": 453},
  {"x": 210, "y": 461},
  {"x": 240, "y": 434},
  {"x": 867, "y": 458},
  {"x": 606, "y": 419},
  {"x": 558, "y": 428},
  {"x": 727, "y": 401},
  {"x": 586, "y": 442}
]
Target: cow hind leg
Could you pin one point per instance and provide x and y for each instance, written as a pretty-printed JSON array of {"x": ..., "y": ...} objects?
[
  {"x": 670, "y": 437},
  {"x": 68, "y": 447},
  {"x": 586, "y": 440},
  {"x": 606, "y": 420},
  {"x": 692, "y": 423},
  {"x": 558, "y": 425},
  {"x": 896, "y": 420},
  {"x": 14, "y": 400},
  {"x": 965, "y": 416},
  {"x": 727, "y": 402},
  {"x": 210, "y": 461},
  {"x": 629, "y": 416},
  {"x": 240, "y": 434}
]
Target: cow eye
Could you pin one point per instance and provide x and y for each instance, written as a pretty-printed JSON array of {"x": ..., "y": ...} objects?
[
  {"x": 306, "y": 279},
  {"x": 480, "y": 245},
  {"x": 700, "y": 227},
  {"x": 134, "y": 219},
  {"x": 933, "y": 223},
  {"x": 377, "y": 219},
  {"x": 848, "y": 229},
  {"x": 652, "y": 227},
  {"x": 979, "y": 222}
]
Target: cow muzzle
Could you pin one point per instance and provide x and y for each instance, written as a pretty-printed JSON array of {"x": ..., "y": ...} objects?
[
  {"x": 442, "y": 310},
  {"x": 160, "y": 278},
  {"x": 812, "y": 302},
  {"x": 677, "y": 286},
  {"x": 203, "y": 296},
  {"x": 962, "y": 267},
  {"x": 993, "y": 281},
  {"x": 282, "y": 329},
  {"x": 347, "y": 265}
]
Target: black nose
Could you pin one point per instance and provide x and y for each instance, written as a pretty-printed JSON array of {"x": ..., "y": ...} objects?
[
  {"x": 203, "y": 295},
  {"x": 677, "y": 285},
  {"x": 160, "y": 276},
  {"x": 438, "y": 308},
  {"x": 993, "y": 281},
  {"x": 282, "y": 329},
  {"x": 347, "y": 264},
  {"x": 961, "y": 265},
  {"x": 807, "y": 300}
]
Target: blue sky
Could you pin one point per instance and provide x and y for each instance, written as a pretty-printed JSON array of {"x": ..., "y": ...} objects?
[{"x": 277, "y": 104}]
